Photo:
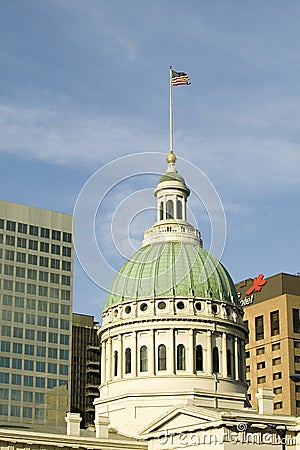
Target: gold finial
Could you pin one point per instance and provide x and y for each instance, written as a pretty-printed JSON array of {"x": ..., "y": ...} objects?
[{"x": 171, "y": 158}]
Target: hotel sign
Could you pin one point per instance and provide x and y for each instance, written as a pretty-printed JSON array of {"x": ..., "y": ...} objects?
[{"x": 258, "y": 283}]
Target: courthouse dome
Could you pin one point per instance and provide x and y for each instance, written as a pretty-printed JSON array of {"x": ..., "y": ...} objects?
[{"x": 172, "y": 269}]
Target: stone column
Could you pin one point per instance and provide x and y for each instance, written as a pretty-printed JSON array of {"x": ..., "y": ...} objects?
[
  {"x": 208, "y": 352},
  {"x": 103, "y": 362},
  {"x": 171, "y": 355},
  {"x": 120, "y": 368},
  {"x": 224, "y": 355},
  {"x": 73, "y": 424},
  {"x": 151, "y": 354},
  {"x": 191, "y": 364},
  {"x": 236, "y": 358},
  {"x": 108, "y": 359},
  {"x": 134, "y": 356}
]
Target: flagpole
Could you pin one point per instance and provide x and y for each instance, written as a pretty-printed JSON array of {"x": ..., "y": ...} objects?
[{"x": 171, "y": 112}]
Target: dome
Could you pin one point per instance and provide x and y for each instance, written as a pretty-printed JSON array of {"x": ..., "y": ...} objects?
[{"x": 172, "y": 269}]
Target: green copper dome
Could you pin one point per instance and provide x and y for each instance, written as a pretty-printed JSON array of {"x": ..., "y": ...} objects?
[{"x": 172, "y": 268}]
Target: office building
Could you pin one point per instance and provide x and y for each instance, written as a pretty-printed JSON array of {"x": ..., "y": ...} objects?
[
  {"x": 36, "y": 264},
  {"x": 85, "y": 379},
  {"x": 272, "y": 314}
]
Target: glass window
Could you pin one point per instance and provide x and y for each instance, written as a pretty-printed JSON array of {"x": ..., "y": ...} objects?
[
  {"x": 8, "y": 270},
  {"x": 66, "y": 280},
  {"x": 10, "y": 225},
  {"x": 33, "y": 230},
  {"x": 27, "y": 412},
  {"x": 7, "y": 300},
  {"x": 29, "y": 349},
  {"x": 259, "y": 328},
  {"x": 19, "y": 302},
  {"x": 43, "y": 291},
  {"x": 260, "y": 350},
  {"x": 31, "y": 274},
  {"x": 296, "y": 321},
  {"x": 67, "y": 237},
  {"x": 55, "y": 264},
  {"x": 277, "y": 376},
  {"x": 55, "y": 249},
  {"x": 17, "y": 363},
  {"x": 63, "y": 369},
  {"x": 16, "y": 395},
  {"x": 66, "y": 251},
  {"x": 143, "y": 359},
  {"x": 33, "y": 245},
  {"x": 43, "y": 276},
  {"x": 1, "y": 238},
  {"x": 41, "y": 351},
  {"x": 21, "y": 257},
  {"x": 4, "y": 378},
  {"x": 180, "y": 357},
  {"x": 53, "y": 338},
  {"x": 261, "y": 365},
  {"x": 6, "y": 315},
  {"x": 278, "y": 405},
  {"x": 5, "y": 346},
  {"x": 56, "y": 235},
  {"x": 52, "y": 353},
  {"x": 44, "y": 247},
  {"x": 274, "y": 318},
  {"x": 8, "y": 285},
  {"x": 28, "y": 396},
  {"x": 261, "y": 380},
  {"x": 64, "y": 354},
  {"x": 42, "y": 321},
  {"x": 66, "y": 265},
  {"x": 40, "y": 366},
  {"x": 32, "y": 259},
  {"x": 30, "y": 334},
  {"x": 162, "y": 357},
  {"x": 21, "y": 242},
  {"x": 53, "y": 322},
  {"x": 17, "y": 348},
  {"x": 54, "y": 278},
  {"x": 276, "y": 361},
  {"x": 28, "y": 365},
  {"x": 18, "y": 332},
  {"x": 65, "y": 309},
  {"x": 4, "y": 361},
  {"x": 45, "y": 233},
  {"x": 31, "y": 289},
  {"x": 3, "y": 394},
  {"x": 40, "y": 382},
  {"x": 54, "y": 292},
  {"x": 16, "y": 379},
  {"x": 2, "y": 224},
  {"x": 39, "y": 413},
  {"x": 18, "y": 317},
  {"x": 229, "y": 362},
  {"x": 170, "y": 209},
  {"x": 9, "y": 255},
  {"x": 64, "y": 324},
  {"x": 20, "y": 272},
  {"x": 115, "y": 363},
  {"x": 41, "y": 336},
  {"x": 30, "y": 319},
  {"x": 10, "y": 240},
  {"x": 3, "y": 410},
  {"x": 15, "y": 411},
  {"x": 44, "y": 261},
  {"x": 22, "y": 228},
  {"x": 6, "y": 330},
  {"x": 275, "y": 346},
  {"x": 64, "y": 339},
  {"x": 39, "y": 397},
  {"x": 53, "y": 308},
  {"x": 20, "y": 286},
  {"x": 65, "y": 295},
  {"x": 127, "y": 359},
  {"x": 42, "y": 305},
  {"x": 28, "y": 380},
  {"x": 30, "y": 303},
  {"x": 215, "y": 360},
  {"x": 51, "y": 383}
]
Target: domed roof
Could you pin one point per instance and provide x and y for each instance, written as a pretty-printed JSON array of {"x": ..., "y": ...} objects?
[{"x": 172, "y": 268}]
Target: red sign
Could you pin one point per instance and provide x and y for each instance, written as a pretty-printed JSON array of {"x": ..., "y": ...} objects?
[{"x": 258, "y": 283}]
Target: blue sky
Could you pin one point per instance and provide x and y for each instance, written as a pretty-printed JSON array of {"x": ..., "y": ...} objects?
[{"x": 85, "y": 82}]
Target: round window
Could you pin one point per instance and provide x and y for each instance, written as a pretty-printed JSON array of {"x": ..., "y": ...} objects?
[
  {"x": 180, "y": 305},
  {"x": 198, "y": 306},
  {"x": 128, "y": 309},
  {"x": 161, "y": 305},
  {"x": 143, "y": 306},
  {"x": 214, "y": 309}
]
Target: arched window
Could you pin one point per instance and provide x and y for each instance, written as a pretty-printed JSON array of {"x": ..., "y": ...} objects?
[
  {"x": 128, "y": 360},
  {"x": 229, "y": 365},
  {"x": 199, "y": 358},
  {"x": 179, "y": 209},
  {"x": 215, "y": 356},
  {"x": 180, "y": 357},
  {"x": 162, "y": 357},
  {"x": 170, "y": 209},
  {"x": 115, "y": 363},
  {"x": 143, "y": 359},
  {"x": 161, "y": 211}
]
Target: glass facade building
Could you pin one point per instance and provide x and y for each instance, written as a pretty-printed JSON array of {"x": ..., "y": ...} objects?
[{"x": 36, "y": 267}]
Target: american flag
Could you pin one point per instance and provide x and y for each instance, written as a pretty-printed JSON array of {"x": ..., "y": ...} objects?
[{"x": 180, "y": 78}]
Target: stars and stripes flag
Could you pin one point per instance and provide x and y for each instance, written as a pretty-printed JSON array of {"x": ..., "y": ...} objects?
[{"x": 179, "y": 78}]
